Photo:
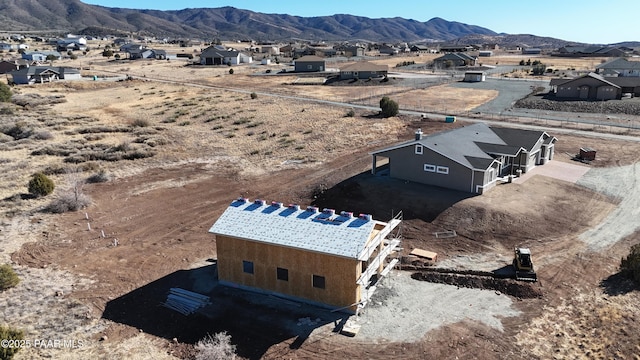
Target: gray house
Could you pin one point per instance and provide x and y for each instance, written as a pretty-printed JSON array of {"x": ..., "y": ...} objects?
[
  {"x": 40, "y": 55},
  {"x": 214, "y": 56},
  {"x": 43, "y": 74},
  {"x": 363, "y": 70},
  {"x": 309, "y": 63},
  {"x": 619, "y": 67},
  {"x": 588, "y": 87},
  {"x": 454, "y": 59},
  {"x": 470, "y": 159}
]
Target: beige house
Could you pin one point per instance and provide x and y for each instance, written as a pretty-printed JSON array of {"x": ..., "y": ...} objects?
[{"x": 324, "y": 258}]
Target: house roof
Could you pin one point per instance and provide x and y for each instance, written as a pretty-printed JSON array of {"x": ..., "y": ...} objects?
[
  {"x": 215, "y": 52},
  {"x": 620, "y": 64},
  {"x": 455, "y": 56},
  {"x": 557, "y": 82},
  {"x": 309, "y": 58},
  {"x": 289, "y": 226},
  {"x": 365, "y": 66},
  {"x": 36, "y": 70},
  {"x": 476, "y": 146}
]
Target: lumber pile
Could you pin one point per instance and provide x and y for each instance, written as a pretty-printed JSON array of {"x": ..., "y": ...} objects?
[{"x": 184, "y": 301}]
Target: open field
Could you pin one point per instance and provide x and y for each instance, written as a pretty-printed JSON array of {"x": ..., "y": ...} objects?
[{"x": 175, "y": 155}]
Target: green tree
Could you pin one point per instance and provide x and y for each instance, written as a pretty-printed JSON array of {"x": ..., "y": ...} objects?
[
  {"x": 522, "y": 63},
  {"x": 630, "y": 265},
  {"x": 107, "y": 53},
  {"x": 5, "y": 92},
  {"x": 231, "y": 71},
  {"x": 388, "y": 107},
  {"x": 8, "y": 277},
  {"x": 40, "y": 185}
]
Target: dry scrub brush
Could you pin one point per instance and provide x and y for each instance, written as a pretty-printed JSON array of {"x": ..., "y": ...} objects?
[{"x": 216, "y": 347}]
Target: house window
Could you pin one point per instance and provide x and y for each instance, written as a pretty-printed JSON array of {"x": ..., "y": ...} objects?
[
  {"x": 318, "y": 281},
  {"x": 419, "y": 149},
  {"x": 282, "y": 274},
  {"x": 247, "y": 266},
  {"x": 442, "y": 170},
  {"x": 429, "y": 168}
]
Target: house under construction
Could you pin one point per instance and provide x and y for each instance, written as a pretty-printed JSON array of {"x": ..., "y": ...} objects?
[{"x": 324, "y": 258}]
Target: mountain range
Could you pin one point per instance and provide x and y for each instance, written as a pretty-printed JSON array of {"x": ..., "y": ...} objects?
[{"x": 63, "y": 16}]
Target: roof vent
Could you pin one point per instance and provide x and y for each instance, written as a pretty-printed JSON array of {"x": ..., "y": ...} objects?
[
  {"x": 346, "y": 214},
  {"x": 295, "y": 207},
  {"x": 258, "y": 202},
  {"x": 328, "y": 211},
  {"x": 242, "y": 199},
  {"x": 419, "y": 134},
  {"x": 276, "y": 204},
  {"x": 365, "y": 217},
  {"x": 312, "y": 209}
]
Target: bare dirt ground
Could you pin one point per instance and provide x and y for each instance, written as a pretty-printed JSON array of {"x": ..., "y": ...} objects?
[{"x": 207, "y": 146}]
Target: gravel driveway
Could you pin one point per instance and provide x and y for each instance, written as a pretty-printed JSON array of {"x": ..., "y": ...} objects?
[{"x": 619, "y": 182}]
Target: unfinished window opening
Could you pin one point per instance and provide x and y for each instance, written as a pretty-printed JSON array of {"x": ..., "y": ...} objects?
[
  {"x": 247, "y": 266},
  {"x": 282, "y": 274},
  {"x": 442, "y": 170},
  {"x": 419, "y": 149},
  {"x": 318, "y": 281}
]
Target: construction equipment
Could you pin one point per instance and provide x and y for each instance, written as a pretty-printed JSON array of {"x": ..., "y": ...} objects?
[{"x": 523, "y": 265}]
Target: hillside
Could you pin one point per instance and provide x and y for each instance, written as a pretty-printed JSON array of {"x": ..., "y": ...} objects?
[{"x": 225, "y": 23}]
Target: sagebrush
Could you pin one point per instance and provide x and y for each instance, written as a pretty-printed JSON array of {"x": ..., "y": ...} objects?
[
  {"x": 630, "y": 265},
  {"x": 216, "y": 347}
]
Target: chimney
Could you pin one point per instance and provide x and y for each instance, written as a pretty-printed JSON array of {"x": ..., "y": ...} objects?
[{"x": 419, "y": 134}]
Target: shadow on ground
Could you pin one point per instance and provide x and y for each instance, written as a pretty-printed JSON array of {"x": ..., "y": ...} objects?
[
  {"x": 618, "y": 284},
  {"x": 255, "y": 322},
  {"x": 383, "y": 197}
]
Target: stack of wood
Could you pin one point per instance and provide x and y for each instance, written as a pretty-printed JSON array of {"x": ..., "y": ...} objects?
[{"x": 184, "y": 301}]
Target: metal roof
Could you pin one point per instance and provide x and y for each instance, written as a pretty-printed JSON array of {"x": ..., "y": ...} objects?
[{"x": 307, "y": 229}]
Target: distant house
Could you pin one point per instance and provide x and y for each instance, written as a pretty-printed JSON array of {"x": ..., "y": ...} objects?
[
  {"x": 5, "y": 46},
  {"x": 587, "y": 87},
  {"x": 421, "y": 49},
  {"x": 583, "y": 51},
  {"x": 485, "y": 53},
  {"x": 474, "y": 76},
  {"x": 43, "y": 74},
  {"x": 363, "y": 70},
  {"x": 270, "y": 49},
  {"x": 40, "y": 56},
  {"x": 309, "y": 63},
  {"x": 8, "y": 66},
  {"x": 215, "y": 56},
  {"x": 454, "y": 59},
  {"x": 352, "y": 51},
  {"x": 333, "y": 260},
  {"x": 35, "y": 74},
  {"x": 619, "y": 67},
  {"x": 531, "y": 51},
  {"x": 71, "y": 44},
  {"x": 456, "y": 48},
  {"x": 469, "y": 159},
  {"x": 388, "y": 50}
]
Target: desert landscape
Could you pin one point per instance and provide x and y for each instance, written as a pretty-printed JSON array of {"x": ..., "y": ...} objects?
[{"x": 162, "y": 147}]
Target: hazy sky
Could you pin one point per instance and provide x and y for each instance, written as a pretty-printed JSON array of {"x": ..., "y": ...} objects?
[{"x": 588, "y": 21}]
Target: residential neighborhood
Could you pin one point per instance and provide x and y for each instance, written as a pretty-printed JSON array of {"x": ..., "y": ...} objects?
[{"x": 374, "y": 181}]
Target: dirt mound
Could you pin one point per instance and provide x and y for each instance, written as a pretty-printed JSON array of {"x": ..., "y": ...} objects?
[{"x": 505, "y": 286}]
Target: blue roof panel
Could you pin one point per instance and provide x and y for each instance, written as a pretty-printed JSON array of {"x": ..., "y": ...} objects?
[{"x": 307, "y": 229}]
